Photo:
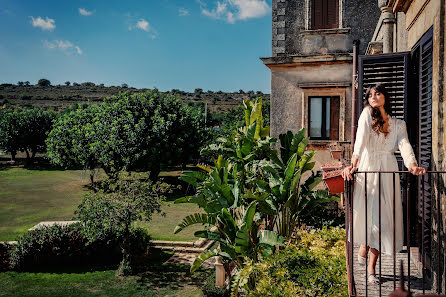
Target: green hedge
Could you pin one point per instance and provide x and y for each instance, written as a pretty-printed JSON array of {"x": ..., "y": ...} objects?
[
  {"x": 314, "y": 265},
  {"x": 65, "y": 245}
]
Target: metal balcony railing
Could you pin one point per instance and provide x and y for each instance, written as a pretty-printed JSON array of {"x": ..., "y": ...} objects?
[{"x": 416, "y": 278}]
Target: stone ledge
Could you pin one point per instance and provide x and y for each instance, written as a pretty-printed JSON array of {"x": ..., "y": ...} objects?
[
  {"x": 52, "y": 223},
  {"x": 290, "y": 59},
  {"x": 325, "y": 31}
]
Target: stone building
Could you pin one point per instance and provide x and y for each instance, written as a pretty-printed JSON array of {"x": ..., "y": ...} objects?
[
  {"x": 311, "y": 66},
  {"x": 402, "y": 43},
  {"x": 416, "y": 29}
]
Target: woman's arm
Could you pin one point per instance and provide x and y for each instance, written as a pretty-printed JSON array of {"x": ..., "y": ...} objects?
[
  {"x": 407, "y": 152},
  {"x": 362, "y": 138}
]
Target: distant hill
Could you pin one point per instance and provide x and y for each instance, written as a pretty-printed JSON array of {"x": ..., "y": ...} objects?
[{"x": 60, "y": 96}]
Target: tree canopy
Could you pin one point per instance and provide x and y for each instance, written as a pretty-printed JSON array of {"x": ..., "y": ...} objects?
[{"x": 129, "y": 132}]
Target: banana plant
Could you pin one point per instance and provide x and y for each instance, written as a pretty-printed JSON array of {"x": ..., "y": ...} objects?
[
  {"x": 291, "y": 194},
  {"x": 237, "y": 241}
]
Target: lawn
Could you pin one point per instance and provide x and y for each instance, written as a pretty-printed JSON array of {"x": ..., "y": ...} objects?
[
  {"x": 154, "y": 280},
  {"x": 29, "y": 196}
]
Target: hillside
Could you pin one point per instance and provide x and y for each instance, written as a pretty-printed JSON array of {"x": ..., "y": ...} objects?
[{"x": 59, "y": 97}]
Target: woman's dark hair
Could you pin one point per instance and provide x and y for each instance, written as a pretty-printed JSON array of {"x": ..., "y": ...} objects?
[{"x": 377, "y": 120}]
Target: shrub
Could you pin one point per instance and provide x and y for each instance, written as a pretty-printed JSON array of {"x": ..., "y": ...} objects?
[
  {"x": 65, "y": 245},
  {"x": 5, "y": 256},
  {"x": 314, "y": 265},
  {"x": 210, "y": 290}
]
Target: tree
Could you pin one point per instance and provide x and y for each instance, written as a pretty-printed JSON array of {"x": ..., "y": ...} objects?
[
  {"x": 25, "y": 130},
  {"x": 72, "y": 141},
  {"x": 124, "y": 86},
  {"x": 76, "y": 84},
  {"x": 198, "y": 91},
  {"x": 241, "y": 91},
  {"x": 43, "y": 82},
  {"x": 114, "y": 210},
  {"x": 20, "y": 83},
  {"x": 27, "y": 83},
  {"x": 128, "y": 132},
  {"x": 67, "y": 83},
  {"x": 88, "y": 84}
]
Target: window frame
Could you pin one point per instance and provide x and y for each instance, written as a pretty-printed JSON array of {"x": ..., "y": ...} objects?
[
  {"x": 310, "y": 16},
  {"x": 340, "y": 90},
  {"x": 324, "y": 127}
]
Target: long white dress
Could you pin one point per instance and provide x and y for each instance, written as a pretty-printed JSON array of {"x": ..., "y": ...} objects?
[{"x": 376, "y": 152}]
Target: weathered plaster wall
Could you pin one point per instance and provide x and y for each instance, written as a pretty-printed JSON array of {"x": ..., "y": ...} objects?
[
  {"x": 292, "y": 19},
  {"x": 421, "y": 15},
  {"x": 361, "y": 17},
  {"x": 287, "y": 95}
]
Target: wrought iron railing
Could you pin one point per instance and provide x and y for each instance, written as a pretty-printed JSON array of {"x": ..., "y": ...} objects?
[{"x": 349, "y": 206}]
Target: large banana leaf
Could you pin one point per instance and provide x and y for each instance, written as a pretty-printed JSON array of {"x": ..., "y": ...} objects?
[
  {"x": 196, "y": 218},
  {"x": 203, "y": 257},
  {"x": 270, "y": 239},
  {"x": 208, "y": 235}
]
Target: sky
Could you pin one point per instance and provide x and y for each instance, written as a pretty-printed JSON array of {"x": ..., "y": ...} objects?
[{"x": 167, "y": 44}]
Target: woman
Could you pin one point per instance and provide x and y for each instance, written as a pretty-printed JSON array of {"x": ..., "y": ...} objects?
[{"x": 379, "y": 135}]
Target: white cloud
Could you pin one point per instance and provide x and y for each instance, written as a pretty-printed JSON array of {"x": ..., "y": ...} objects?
[
  {"x": 136, "y": 22},
  {"x": 78, "y": 50},
  {"x": 183, "y": 11},
  {"x": 63, "y": 45},
  {"x": 47, "y": 24},
  {"x": 85, "y": 12},
  {"x": 233, "y": 10},
  {"x": 143, "y": 25}
]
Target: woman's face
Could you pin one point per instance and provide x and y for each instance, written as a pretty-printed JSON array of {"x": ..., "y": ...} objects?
[{"x": 376, "y": 98}]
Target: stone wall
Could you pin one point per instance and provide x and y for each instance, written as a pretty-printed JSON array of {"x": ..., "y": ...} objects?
[{"x": 291, "y": 23}]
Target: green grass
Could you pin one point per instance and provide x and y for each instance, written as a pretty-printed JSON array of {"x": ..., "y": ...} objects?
[
  {"x": 28, "y": 197},
  {"x": 154, "y": 279}
]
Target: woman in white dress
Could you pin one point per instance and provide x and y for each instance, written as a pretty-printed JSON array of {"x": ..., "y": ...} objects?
[{"x": 378, "y": 136}]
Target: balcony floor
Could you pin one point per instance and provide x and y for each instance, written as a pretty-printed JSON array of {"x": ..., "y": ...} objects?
[{"x": 387, "y": 276}]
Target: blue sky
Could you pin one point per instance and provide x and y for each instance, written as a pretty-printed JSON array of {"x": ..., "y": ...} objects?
[{"x": 208, "y": 44}]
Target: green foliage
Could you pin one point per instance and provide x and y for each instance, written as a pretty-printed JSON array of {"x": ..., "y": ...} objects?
[
  {"x": 210, "y": 290},
  {"x": 128, "y": 132},
  {"x": 25, "y": 130},
  {"x": 43, "y": 82},
  {"x": 59, "y": 245},
  {"x": 5, "y": 256},
  {"x": 313, "y": 266},
  {"x": 114, "y": 210},
  {"x": 251, "y": 185}
]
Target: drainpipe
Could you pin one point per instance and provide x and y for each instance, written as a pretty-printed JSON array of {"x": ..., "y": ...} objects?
[{"x": 354, "y": 93}]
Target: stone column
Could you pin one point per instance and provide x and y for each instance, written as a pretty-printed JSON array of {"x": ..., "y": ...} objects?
[
  {"x": 388, "y": 21},
  {"x": 219, "y": 273}
]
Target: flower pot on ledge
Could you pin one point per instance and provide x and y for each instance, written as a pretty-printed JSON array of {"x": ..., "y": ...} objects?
[
  {"x": 336, "y": 151},
  {"x": 336, "y": 154},
  {"x": 334, "y": 181},
  {"x": 331, "y": 166}
]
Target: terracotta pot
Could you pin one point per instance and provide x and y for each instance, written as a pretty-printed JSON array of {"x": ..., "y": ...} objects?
[
  {"x": 334, "y": 181},
  {"x": 331, "y": 166},
  {"x": 336, "y": 154}
]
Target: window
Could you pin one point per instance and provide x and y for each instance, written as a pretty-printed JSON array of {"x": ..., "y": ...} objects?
[
  {"x": 324, "y": 14},
  {"x": 323, "y": 117}
]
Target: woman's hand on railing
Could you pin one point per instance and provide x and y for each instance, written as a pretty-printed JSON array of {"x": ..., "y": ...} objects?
[
  {"x": 415, "y": 170},
  {"x": 347, "y": 172}
]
